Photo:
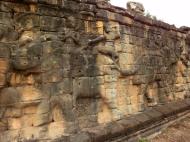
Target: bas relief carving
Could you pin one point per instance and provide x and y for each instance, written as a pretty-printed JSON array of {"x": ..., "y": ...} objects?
[
  {"x": 59, "y": 75},
  {"x": 37, "y": 75}
]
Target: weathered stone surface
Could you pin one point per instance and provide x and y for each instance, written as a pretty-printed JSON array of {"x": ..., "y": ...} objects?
[
  {"x": 80, "y": 137},
  {"x": 135, "y": 7},
  {"x": 9, "y": 96},
  {"x": 78, "y": 70}
]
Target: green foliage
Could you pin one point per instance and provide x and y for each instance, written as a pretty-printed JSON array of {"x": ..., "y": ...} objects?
[
  {"x": 143, "y": 140},
  {"x": 150, "y": 16}
]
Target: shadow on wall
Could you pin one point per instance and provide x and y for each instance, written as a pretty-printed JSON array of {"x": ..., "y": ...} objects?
[
  {"x": 140, "y": 67},
  {"x": 63, "y": 71}
]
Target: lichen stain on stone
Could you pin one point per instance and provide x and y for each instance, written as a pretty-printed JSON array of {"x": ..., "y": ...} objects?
[{"x": 67, "y": 66}]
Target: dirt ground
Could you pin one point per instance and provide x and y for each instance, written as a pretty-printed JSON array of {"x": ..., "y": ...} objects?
[{"x": 179, "y": 132}]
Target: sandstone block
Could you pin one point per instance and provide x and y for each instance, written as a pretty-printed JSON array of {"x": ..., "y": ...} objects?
[
  {"x": 126, "y": 59},
  {"x": 29, "y": 94},
  {"x": 81, "y": 137},
  {"x": 13, "y": 112},
  {"x": 10, "y": 96},
  {"x": 27, "y": 21},
  {"x": 85, "y": 87},
  {"x": 54, "y": 75},
  {"x": 4, "y": 51},
  {"x": 88, "y": 121},
  {"x": 48, "y": 23},
  {"x": 103, "y": 60},
  {"x": 56, "y": 129},
  {"x": 40, "y": 119},
  {"x": 14, "y": 123},
  {"x": 3, "y": 79},
  {"x": 6, "y": 18}
]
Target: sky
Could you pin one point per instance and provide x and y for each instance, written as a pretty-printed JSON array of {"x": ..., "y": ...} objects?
[{"x": 175, "y": 12}]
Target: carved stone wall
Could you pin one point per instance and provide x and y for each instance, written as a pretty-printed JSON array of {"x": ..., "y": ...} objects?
[{"x": 67, "y": 65}]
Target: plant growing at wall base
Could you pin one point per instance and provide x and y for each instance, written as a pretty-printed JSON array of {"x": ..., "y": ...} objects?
[{"x": 143, "y": 140}]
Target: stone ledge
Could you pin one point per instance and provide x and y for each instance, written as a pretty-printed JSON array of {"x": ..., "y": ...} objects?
[
  {"x": 105, "y": 8},
  {"x": 143, "y": 124},
  {"x": 138, "y": 122}
]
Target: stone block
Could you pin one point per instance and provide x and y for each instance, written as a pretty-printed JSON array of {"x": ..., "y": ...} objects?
[
  {"x": 11, "y": 136},
  {"x": 126, "y": 59},
  {"x": 3, "y": 127},
  {"x": 179, "y": 80},
  {"x": 51, "y": 24},
  {"x": 29, "y": 94},
  {"x": 56, "y": 129},
  {"x": 13, "y": 112},
  {"x": 14, "y": 123},
  {"x": 87, "y": 107},
  {"x": 59, "y": 66},
  {"x": 3, "y": 7},
  {"x": 155, "y": 115},
  {"x": 52, "y": 62},
  {"x": 111, "y": 94},
  {"x": 19, "y": 79},
  {"x": 77, "y": 60},
  {"x": 103, "y": 60},
  {"x": 10, "y": 97},
  {"x": 165, "y": 110},
  {"x": 29, "y": 110},
  {"x": 27, "y": 120},
  {"x": 8, "y": 34},
  {"x": 85, "y": 87},
  {"x": 98, "y": 134},
  {"x": 87, "y": 121},
  {"x": 105, "y": 70},
  {"x": 187, "y": 101},
  {"x": 32, "y": 133},
  {"x": 132, "y": 108},
  {"x": 110, "y": 78},
  {"x": 3, "y": 79},
  {"x": 79, "y": 71},
  {"x": 80, "y": 137},
  {"x": 125, "y": 39},
  {"x": 42, "y": 108},
  {"x": 105, "y": 113},
  {"x": 133, "y": 90},
  {"x": 66, "y": 61},
  {"x": 62, "y": 107},
  {"x": 178, "y": 106},
  {"x": 5, "y": 18},
  {"x": 27, "y": 58},
  {"x": 27, "y": 21},
  {"x": 143, "y": 119},
  {"x": 48, "y": 10},
  {"x": 4, "y": 50},
  {"x": 40, "y": 119},
  {"x": 54, "y": 75},
  {"x": 63, "y": 87},
  {"x": 130, "y": 124},
  {"x": 115, "y": 129},
  {"x": 100, "y": 27},
  {"x": 139, "y": 79}
]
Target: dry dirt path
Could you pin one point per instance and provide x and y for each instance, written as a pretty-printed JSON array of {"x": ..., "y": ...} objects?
[{"x": 179, "y": 132}]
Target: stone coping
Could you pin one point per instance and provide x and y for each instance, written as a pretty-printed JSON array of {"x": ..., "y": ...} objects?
[
  {"x": 132, "y": 124},
  {"x": 119, "y": 14}
]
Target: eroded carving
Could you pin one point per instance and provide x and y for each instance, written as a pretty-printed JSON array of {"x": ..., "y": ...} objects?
[{"x": 62, "y": 70}]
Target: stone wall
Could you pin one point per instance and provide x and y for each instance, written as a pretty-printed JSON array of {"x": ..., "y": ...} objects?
[{"x": 68, "y": 65}]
